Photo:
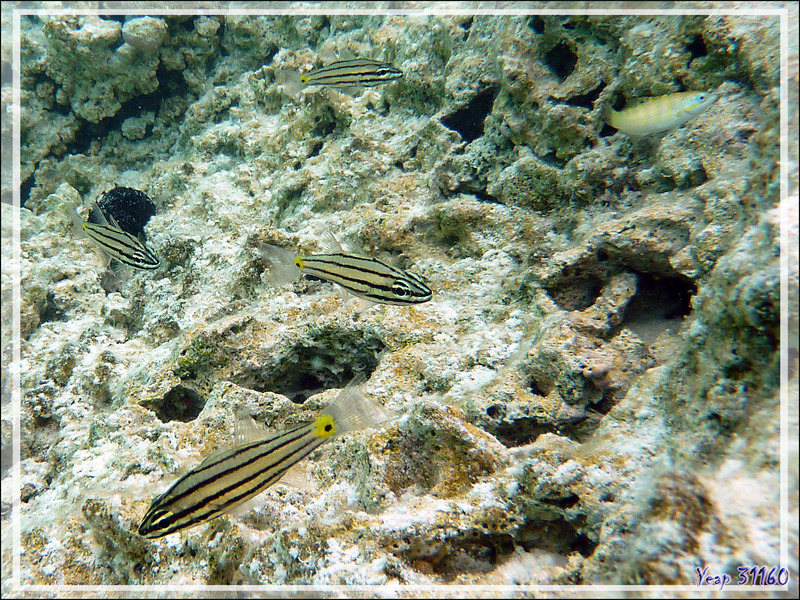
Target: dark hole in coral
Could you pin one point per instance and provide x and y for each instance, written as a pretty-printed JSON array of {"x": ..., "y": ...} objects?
[
  {"x": 51, "y": 311},
  {"x": 469, "y": 120},
  {"x": 480, "y": 194},
  {"x": 315, "y": 149},
  {"x": 324, "y": 125},
  {"x": 587, "y": 100},
  {"x": 493, "y": 410},
  {"x": 306, "y": 384},
  {"x": 467, "y": 24},
  {"x": 521, "y": 432},
  {"x": 561, "y": 61},
  {"x": 618, "y": 102},
  {"x": 90, "y": 132},
  {"x": 607, "y": 402},
  {"x": 539, "y": 389},
  {"x": 187, "y": 24},
  {"x": 269, "y": 54},
  {"x": 565, "y": 502},
  {"x": 583, "y": 545},
  {"x": 221, "y": 49},
  {"x": 330, "y": 359},
  {"x": 602, "y": 255},
  {"x": 697, "y": 47},
  {"x": 536, "y": 23},
  {"x": 26, "y": 187},
  {"x": 607, "y": 130},
  {"x": 554, "y": 534},
  {"x": 568, "y": 25},
  {"x": 551, "y": 159},
  {"x": 399, "y": 164},
  {"x": 659, "y": 303},
  {"x": 181, "y": 403},
  {"x": 574, "y": 291}
]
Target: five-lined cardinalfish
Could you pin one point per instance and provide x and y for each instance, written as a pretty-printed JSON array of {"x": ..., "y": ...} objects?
[
  {"x": 651, "y": 115},
  {"x": 363, "y": 276},
  {"x": 353, "y": 72},
  {"x": 228, "y": 478},
  {"x": 113, "y": 240}
]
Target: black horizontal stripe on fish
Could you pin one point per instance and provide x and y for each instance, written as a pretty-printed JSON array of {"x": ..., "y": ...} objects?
[
  {"x": 122, "y": 246},
  {"x": 161, "y": 520},
  {"x": 195, "y": 481},
  {"x": 346, "y": 281},
  {"x": 233, "y": 453},
  {"x": 191, "y": 515},
  {"x": 368, "y": 277},
  {"x": 366, "y": 72},
  {"x": 291, "y": 459}
]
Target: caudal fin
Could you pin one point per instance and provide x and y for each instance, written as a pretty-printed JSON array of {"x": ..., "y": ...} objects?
[
  {"x": 353, "y": 411},
  {"x": 289, "y": 82},
  {"x": 283, "y": 269},
  {"x": 75, "y": 218}
]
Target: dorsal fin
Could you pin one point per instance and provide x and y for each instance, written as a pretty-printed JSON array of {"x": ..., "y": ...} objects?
[
  {"x": 97, "y": 216},
  {"x": 330, "y": 245},
  {"x": 637, "y": 101},
  {"x": 246, "y": 430}
]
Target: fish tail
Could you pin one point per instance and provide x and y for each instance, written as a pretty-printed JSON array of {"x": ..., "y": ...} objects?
[
  {"x": 353, "y": 411},
  {"x": 284, "y": 265},
  {"x": 290, "y": 81},
  {"x": 77, "y": 223}
]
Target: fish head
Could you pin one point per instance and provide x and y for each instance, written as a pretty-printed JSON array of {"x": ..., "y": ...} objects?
[
  {"x": 411, "y": 289},
  {"x": 697, "y": 102},
  {"x": 146, "y": 259},
  {"x": 304, "y": 78},
  {"x": 388, "y": 73}
]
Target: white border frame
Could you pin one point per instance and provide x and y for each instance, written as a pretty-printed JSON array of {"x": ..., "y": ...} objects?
[{"x": 13, "y": 586}]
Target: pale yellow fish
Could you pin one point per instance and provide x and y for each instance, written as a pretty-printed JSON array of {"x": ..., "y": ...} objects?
[{"x": 661, "y": 113}]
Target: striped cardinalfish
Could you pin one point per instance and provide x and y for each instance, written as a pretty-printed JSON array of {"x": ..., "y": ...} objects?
[
  {"x": 652, "y": 115},
  {"x": 365, "y": 277},
  {"x": 113, "y": 240},
  {"x": 354, "y": 72},
  {"x": 228, "y": 478}
]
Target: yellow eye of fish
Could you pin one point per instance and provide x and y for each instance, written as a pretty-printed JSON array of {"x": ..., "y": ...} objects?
[{"x": 324, "y": 426}]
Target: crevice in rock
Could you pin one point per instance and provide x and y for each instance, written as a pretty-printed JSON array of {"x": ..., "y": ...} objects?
[
  {"x": 587, "y": 100},
  {"x": 536, "y": 23},
  {"x": 660, "y": 302},
  {"x": 181, "y": 403},
  {"x": 26, "y": 187},
  {"x": 169, "y": 85},
  {"x": 540, "y": 388},
  {"x": 697, "y": 47},
  {"x": 328, "y": 358},
  {"x": 51, "y": 311},
  {"x": 521, "y": 432},
  {"x": 575, "y": 289},
  {"x": 561, "y": 61},
  {"x": 468, "y": 121},
  {"x": 555, "y": 535}
]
